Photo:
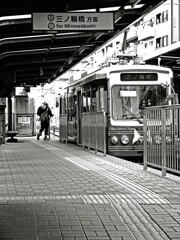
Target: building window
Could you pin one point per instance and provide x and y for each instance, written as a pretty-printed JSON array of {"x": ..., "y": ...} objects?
[
  {"x": 162, "y": 17},
  {"x": 165, "y": 16},
  {"x": 158, "y": 42},
  {"x": 165, "y": 41},
  {"x": 151, "y": 23},
  {"x": 162, "y": 42},
  {"x": 158, "y": 18},
  {"x": 151, "y": 43}
]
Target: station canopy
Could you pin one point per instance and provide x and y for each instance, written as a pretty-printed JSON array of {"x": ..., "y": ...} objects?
[{"x": 32, "y": 56}]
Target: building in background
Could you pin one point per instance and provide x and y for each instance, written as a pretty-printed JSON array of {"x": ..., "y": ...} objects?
[{"x": 154, "y": 33}]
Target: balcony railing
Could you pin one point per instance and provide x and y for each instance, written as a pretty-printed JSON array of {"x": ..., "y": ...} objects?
[{"x": 148, "y": 32}]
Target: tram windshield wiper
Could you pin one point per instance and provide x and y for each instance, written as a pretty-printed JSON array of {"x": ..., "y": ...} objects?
[{"x": 133, "y": 115}]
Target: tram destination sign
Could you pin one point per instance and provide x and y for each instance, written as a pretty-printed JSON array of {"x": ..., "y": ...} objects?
[
  {"x": 73, "y": 21},
  {"x": 139, "y": 76}
]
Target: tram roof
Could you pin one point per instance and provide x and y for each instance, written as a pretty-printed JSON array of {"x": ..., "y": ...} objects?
[
  {"x": 30, "y": 57},
  {"x": 103, "y": 73},
  {"x": 97, "y": 75}
]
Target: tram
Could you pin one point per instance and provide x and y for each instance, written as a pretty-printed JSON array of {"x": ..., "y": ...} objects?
[{"x": 104, "y": 109}]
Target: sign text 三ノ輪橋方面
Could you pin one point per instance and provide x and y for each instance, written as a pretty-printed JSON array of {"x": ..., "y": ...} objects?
[{"x": 73, "y": 21}]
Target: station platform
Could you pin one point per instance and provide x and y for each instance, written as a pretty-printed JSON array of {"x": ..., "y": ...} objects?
[{"x": 52, "y": 190}]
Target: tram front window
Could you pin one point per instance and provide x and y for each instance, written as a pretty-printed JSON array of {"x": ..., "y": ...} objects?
[{"x": 128, "y": 102}]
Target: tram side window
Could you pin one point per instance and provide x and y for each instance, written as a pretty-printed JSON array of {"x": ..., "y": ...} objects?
[
  {"x": 63, "y": 105},
  {"x": 87, "y": 100},
  {"x": 71, "y": 108},
  {"x": 94, "y": 100},
  {"x": 101, "y": 99},
  {"x": 84, "y": 108}
]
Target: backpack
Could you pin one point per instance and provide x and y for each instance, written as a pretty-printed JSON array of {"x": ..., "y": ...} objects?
[{"x": 44, "y": 116}]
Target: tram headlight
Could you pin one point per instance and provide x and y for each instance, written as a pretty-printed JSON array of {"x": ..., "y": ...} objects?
[
  {"x": 157, "y": 139},
  {"x": 114, "y": 140},
  {"x": 124, "y": 139}
]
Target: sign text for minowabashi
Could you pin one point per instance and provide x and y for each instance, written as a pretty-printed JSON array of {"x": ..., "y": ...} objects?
[{"x": 73, "y": 21}]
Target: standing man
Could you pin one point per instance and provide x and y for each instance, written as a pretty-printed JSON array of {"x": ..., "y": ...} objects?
[{"x": 44, "y": 113}]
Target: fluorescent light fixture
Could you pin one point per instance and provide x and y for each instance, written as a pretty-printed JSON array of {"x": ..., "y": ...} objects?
[
  {"x": 69, "y": 33},
  {"x": 109, "y": 9},
  {"x": 135, "y": 3},
  {"x": 61, "y": 69},
  {"x": 41, "y": 71},
  {"x": 25, "y": 37},
  {"x": 136, "y": 6},
  {"x": 99, "y": 35},
  {"x": 27, "y": 16},
  {"x": 38, "y": 36},
  {"x": 68, "y": 47},
  {"x": 70, "y": 60},
  {"x": 24, "y": 51},
  {"x": 81, "y": 51}
]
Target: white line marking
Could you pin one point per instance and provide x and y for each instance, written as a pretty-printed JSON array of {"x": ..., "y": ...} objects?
[{"x": 79, "y": 165}]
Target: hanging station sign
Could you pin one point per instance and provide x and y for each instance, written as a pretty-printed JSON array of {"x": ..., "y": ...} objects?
[{"x": 73, "y": 21}]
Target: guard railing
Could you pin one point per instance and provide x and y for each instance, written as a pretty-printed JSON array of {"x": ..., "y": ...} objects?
[
  {"x": 63, "y": 128},
  {"x": 162, "y": 138},
  {"x": 94, "y": 131}
]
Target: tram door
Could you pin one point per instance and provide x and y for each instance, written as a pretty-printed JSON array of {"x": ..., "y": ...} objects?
[{"x": 79, "y": 115}]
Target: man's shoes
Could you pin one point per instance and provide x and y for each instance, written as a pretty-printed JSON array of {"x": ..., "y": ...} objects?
[
  {"x": 39, "y": 134},
  {"x": 46, "y": 138}
]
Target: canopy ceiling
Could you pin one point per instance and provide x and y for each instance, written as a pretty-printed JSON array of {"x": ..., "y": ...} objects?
[{"x": 32, "y": 57}]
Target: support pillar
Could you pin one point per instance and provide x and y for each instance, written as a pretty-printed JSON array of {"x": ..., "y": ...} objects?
[
  {"x": 9, "y": 113},
  {"x": 11, "y": 132},
  {"x": 2, "y": 124}
]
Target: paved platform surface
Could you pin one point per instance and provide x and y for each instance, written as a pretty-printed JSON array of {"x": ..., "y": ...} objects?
[{"x": 51, "y": 190}]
